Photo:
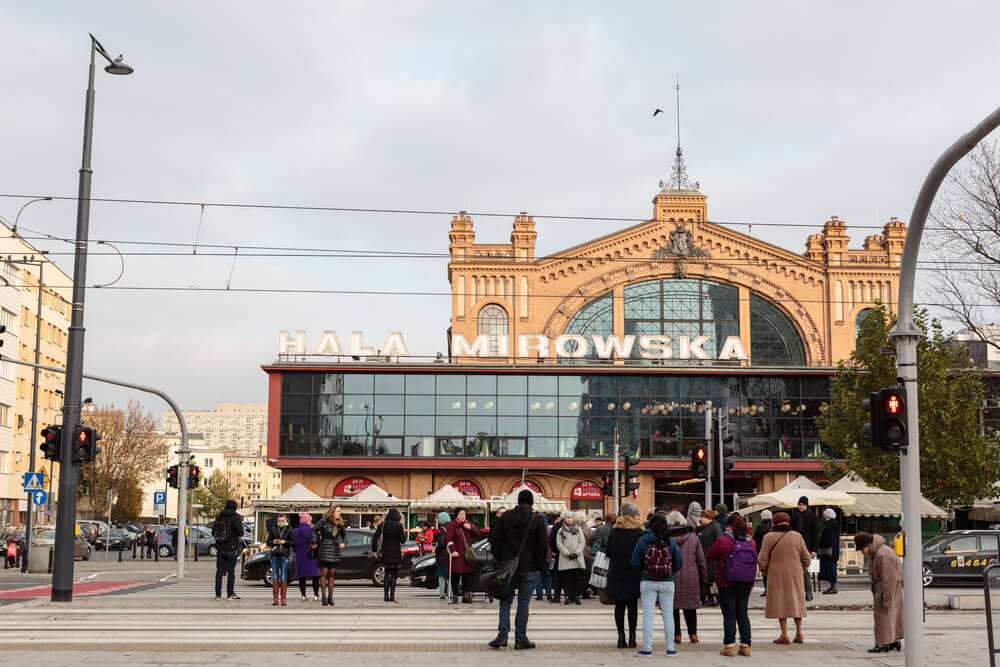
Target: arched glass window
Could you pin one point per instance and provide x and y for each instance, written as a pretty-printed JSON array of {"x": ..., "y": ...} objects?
[
  {"x": 774, "y": 340},
  {"x": 597, "y": 317},
  {"x": 859, "y": 320},
  {"x": 493, "y": 323}
]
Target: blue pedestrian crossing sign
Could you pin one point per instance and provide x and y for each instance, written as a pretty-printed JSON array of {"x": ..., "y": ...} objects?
[
  {"x": 39, "y": 497},
  {"x": 159, "y": 497},
  {"x": 34, "y": 481}
]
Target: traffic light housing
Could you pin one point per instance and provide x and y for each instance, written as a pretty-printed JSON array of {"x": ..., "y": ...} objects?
[
  {"x": 629, "y": 483},
  {"x": 608, "y": 484},
  {"x": 85, "y": 447},
  {"x": 892, "y": 406},
  {"x": 723, "y": 440},
  {"x": 194, "y": 476},
  {"x": 172, "y": 477},
  {"x": 699, "y": 462},
  {"x": 52, "y": 442},
  {"x": 873, "y": 429}
]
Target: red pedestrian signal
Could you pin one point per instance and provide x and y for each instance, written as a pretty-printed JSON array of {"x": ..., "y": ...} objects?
[
  {"x": 699, "y": 463},
  {"x": 52, "y": 443}
]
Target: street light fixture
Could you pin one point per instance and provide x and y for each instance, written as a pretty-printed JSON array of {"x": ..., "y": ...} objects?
[{"x": 62, "y": 570}]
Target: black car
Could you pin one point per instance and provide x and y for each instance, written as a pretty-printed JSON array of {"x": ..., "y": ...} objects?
[
  {"x": 959, "y": 556},
  {"x": 356, "y": 561},
  {"x": 424, "y": 572},
  {"x": 115, "y": 539}
]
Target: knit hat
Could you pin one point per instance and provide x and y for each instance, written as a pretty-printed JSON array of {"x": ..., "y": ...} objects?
[
  {"x": 568, "y": 515},
  {"x": 444, "y": 517},
  {"x": 829, "y": 513},
  {"x": 721, "y": 507},
  {"x": 804, "y": 501},
  {"x": 676, "y": 519},
  {"x": 231, "y": 505},
  {"x": 525, "y": 497},
  {"x": 765, "y": 515},
  {"x": 628, "y": 509},
  {"x": 305, "y": 517},
  {"x": 694, "y": 511},
  {"x": 707, "y": 514},
  {"x": 782, "y": 518}
]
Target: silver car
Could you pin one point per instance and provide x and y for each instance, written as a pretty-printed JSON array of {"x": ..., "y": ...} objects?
[{"x": 47, "y": 538}]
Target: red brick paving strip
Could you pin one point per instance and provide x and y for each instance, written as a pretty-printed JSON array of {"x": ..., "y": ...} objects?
[{"x": 79, "y": 588}]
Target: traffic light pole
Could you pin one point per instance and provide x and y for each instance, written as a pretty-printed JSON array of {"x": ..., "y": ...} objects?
[
  {"x": 183, "y": 452},
  {"x": 717, "y": 435},
  {"x": 907, "y": 336},
  {"x": 708, "y": 455},
  {"x": 617, "y": 485}
]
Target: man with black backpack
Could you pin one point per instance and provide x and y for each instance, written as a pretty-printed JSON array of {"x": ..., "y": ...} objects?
[
  {"x": 227, "y": 531},
  {"x": 519, "y": 534}
]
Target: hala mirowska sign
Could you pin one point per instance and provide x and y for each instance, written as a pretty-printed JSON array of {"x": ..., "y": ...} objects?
[{"x": 568, "y": 346}]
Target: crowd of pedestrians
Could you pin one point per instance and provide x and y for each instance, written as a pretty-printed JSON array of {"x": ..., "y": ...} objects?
[{"x": 675, "y": 561}]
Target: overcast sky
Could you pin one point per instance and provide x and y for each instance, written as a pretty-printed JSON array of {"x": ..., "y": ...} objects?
[{"x": 791, "y": 112}]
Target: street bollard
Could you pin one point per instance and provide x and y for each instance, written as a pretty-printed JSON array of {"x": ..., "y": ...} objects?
[
  {"x": 196, "y": 552},
  {"x": 156, "y": 552},
  {"x": 135, "y": 543},
  {"x": 120, "y": 554},
  {"x": 52, "y": 553}
]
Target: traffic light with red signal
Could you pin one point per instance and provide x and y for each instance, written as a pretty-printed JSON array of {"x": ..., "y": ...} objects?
[
  {"x": 194, "y": 476},
  {"x": 887, "y": 424},
  {"x": 85, "y": 447},
  {"x": 172, "y": 477},
  {"x": 608, "y": 484},
  {"x": 52, "y": 442},
  {"x": 699, "y": 462}
]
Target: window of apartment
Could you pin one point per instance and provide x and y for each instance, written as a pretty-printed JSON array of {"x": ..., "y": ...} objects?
[
  {"x": 5, "y": 415},
  {"x": 4, "y": 462},
  {"x": 8, "y": 273},
  {"x": 8, "y": 318},
  {"x": 7, "y": 370}
]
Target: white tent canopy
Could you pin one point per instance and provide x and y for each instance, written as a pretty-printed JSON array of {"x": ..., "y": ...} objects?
[
  {"x": 802, "y": 486},
  {"x": 298, "y": 493},
  {"x": 372, "y": 492},
  {"x": 541, "y": 503},
  {"x": 447, "y": 497},
  {"x": 873, "y": 501}
]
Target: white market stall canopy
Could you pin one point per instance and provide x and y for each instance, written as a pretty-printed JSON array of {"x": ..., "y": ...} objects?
[
  {"x": 802, "y": 486},
  {"x": 296, "y": 499},
  {"x": 447, "y": 497},
  {"x": 873, "y": 501},
  {"x": 541, "y": 504},
  {"x": 373, "y": 498}
]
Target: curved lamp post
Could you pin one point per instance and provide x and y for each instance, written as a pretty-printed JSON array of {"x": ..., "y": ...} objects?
[{"x": 62, "y": 570}]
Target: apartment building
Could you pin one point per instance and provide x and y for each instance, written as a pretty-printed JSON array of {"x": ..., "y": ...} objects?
[{"x": 240, "y": 427}]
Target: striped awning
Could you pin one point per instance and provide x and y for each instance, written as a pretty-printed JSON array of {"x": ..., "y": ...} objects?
[{"x": 888, "y": 503}]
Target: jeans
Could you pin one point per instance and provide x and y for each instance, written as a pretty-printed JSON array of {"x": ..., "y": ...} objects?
[
  {"x": 544, "y": 583},
  {"x": 525, "y": 586},
  {"x": 733, "y": 601},
  {"x": 279, "y": 567},
  {"x": 225, "y": 564},
  {"x": 651, "y": 592}
]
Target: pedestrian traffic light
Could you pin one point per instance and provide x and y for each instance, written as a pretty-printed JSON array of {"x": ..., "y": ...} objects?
[
  {"x": 608, "y": 484},
  {"x": 629, "y": 486},
  {"x": 172, "y": 477},
  {"x": 52, "y": 442},
  {"x": 892, "y": 406},
  {"x": 873, "y": 429},
  {"x": 724, "y": 441},
  {"x": 194, "y": 475},
  {"x": 699, "y": 462},
  {"x": 85, "y": 447}
]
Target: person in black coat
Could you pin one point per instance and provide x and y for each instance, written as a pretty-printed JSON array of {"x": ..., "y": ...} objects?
[
  {"x": 758, "y": 538},
  {"x": 554, "y": 566},
  {"x": 829, "y": 539},
  {"x": 805, "y": 523},
  {"x": 387, "y": 543},
  {"x": 623, "y": 579}
]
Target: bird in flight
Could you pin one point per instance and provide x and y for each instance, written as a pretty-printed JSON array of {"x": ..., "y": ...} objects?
[{"x": 656, "y": 112}]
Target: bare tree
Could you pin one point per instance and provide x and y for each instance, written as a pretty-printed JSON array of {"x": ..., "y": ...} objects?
[
  {"x": 132, "y": 452},
  {"x": 966, "y": 241}
]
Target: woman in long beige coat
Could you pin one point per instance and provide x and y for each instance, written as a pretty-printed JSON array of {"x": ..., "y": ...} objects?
[{"x": 783, "y": 560}]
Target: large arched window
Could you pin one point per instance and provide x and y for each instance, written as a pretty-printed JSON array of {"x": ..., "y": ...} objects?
[
  {"x": 859, "y": 320},
  {"x": 597, "y": 317},
  {"x": 774, "y": 340},
  {"x": 493, "y": 323}
]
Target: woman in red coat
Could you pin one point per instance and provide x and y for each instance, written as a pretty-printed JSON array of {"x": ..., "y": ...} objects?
[{"x": 461, "y": 534}]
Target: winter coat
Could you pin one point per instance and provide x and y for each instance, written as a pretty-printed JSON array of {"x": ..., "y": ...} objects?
[
  {"x": 886, "y": 572},
  {"x": 708, "y": 534},
  {"x": 393, "y": 536},
  {"x": 639, "y": 554},
  {"x": 830, "y": 537},
  {"x": 553, "y": 549},
  {"x": 305, "y": 555},
  {"x": 327, "y": 537},
  {"x": 601, "y": 536},
  {"x": 807, "y": 525},
  {"x": 440, "y": 548},
  {"x": 718, "y": 554},
  {"x": 687, "y": 580},
  {"x": 623, "y": 579},
  {"x": 758, "y": 535},
  {"x": 569, "y": 542},
  {"x": 508, "y": 533},
  {"x": 783, "y": 558},
  {"x": 460, "y": 536},
  {"x": 235, "y": 532},
  {"x": 276, "y": 532}
]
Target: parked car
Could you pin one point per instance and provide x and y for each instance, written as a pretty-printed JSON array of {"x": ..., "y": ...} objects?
[
  {"x": 91, "y": 528},
  {"x": 166, "y": 537},
  {"x": 115, "y": 539},
  {"x": 424, "y": 571},
  {"x": 356, "y": 561},
  {"x": 47, "y": 538},
  {"x": 963, "y": 554}
]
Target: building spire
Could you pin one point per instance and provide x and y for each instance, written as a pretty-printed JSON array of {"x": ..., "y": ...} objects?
[{"x": 678, "y": 177}]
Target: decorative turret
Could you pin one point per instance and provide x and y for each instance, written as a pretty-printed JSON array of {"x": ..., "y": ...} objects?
[
  {"x": 814, "y": 247},
  {"x": 523, "y": 237},
  {"x": 461, "y": 236}
]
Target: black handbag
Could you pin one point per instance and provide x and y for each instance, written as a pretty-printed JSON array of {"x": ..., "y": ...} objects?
[
  {"x": 498, "y": 576},
  {"x": 825, "y": 552}
]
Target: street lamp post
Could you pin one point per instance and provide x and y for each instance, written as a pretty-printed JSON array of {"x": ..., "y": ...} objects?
[{"x": 62, "y": 570}]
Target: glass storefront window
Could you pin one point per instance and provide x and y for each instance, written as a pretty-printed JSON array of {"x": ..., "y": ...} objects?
[
  {"x": 512, "y": 385},
  {"x": 420, "y": 384},
  {"x": 451, "y": 384}
]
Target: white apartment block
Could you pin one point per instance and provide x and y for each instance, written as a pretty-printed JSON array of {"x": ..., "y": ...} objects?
[
  {"x": 240, "y": 427},
  {"x": 207, "y": 458}
]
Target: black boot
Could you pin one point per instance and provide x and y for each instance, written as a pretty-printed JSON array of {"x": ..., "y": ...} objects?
[
  {"x": 631, "y": 638},
  {"x": 621, "y": 639},
  {"x": 832, "y": 590},
  {"x": 498, "y": 642}
]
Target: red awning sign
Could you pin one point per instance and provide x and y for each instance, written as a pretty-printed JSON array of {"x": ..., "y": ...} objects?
[
  {"x": 586, "y": 490},
  {"x": 352, "y": 486},
  {"x": 468, "y": 488}
]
